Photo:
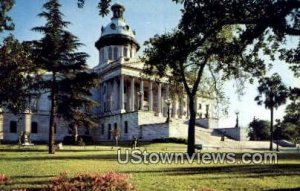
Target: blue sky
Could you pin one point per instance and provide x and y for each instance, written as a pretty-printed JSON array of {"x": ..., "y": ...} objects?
[{"x": 147, "y": 18}]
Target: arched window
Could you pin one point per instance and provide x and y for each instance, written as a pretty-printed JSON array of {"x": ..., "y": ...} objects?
[
  {"x": 116, "y": 53},
  {"x": 110, "y": 53}
]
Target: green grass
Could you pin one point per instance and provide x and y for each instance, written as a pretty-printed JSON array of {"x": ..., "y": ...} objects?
[{"x": 34, "y": 168}]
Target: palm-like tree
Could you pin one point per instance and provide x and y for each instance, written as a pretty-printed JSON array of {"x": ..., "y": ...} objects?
[{"x": 272, "y": 94}]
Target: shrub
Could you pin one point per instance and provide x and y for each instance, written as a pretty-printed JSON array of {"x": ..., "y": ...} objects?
[
  {"x": 170, "y": 140},
  {"x": 5, "y": 180},
  {"x": 82, "y": 140},
  {"x": 93, "y": 182}
]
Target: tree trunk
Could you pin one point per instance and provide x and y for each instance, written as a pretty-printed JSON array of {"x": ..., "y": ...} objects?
[
  {"x": 52, "y": 125},
  {"x": 75, "y": 133},
  {"x": 271, "y": 129},
  {"x": 191, "y": 130}
]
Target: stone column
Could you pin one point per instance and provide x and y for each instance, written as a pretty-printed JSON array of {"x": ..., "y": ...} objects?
[
  {"x": 132, "y": 95},
  {"x": 175, "y": 107},
  {"x": 187, "y": 107},
  {"x": 181, "y": 110},
  {"x": 150, "y": 92},
  {"x": 27, "y": 122},
  {"x": 121, "y": 95},
  {"x": 115, "y": 95},
  {"x": 159, "y": 99},
  {"x": 109, "y": 96},
  {"x": 142, "y": 95}
]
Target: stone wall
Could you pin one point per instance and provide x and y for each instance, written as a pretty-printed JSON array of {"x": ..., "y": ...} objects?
[
  {"x": 119, "y": 120},
  {"x": 209, "y": 123},
  {"x": 178, "y": 128},
  {"x": 24, "y": 124},
  {"x": 239, "y": 134}
]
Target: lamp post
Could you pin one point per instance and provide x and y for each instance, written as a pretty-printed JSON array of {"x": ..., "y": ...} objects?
[
  {"x": 237, "y": 119},
  {"x": 168, "y": 102},
  {"x": 140, "y": 93}
]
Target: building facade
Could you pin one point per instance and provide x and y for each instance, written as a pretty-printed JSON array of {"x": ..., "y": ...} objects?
[{"x": 135, "y": 105}]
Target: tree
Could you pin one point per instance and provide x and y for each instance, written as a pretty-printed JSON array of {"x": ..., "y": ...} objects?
[
  {"x": 291, "y": 120},
  {"x": 15, "y": 66},
  {"x": 6, "y": 21},
  {"x": 201, "y": 42},
  {"x": 259, "y": 130},
  {"x": 16, "y": 70},
  {"x": 272, "y": 93},
  {"x": 103, "y": 6},
  {"x": 66, "y": 76}
]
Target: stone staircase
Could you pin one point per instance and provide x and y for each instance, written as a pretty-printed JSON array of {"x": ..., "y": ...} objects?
[{"x": 209, "y": 138}]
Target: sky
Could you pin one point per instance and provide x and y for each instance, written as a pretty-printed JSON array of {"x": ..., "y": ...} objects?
[{"x": 147, "y": 18}]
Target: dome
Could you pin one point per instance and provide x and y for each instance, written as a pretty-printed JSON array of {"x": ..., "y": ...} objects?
[{"x": 117, "y": 32}]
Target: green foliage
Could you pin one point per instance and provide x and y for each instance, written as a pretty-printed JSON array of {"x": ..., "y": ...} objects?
[
  {"x": 287, "y": 131},
  {"x": 16, "y": 74},
  {"x": 293, "y": 58},
  {"x": 6, "y": 21},
  {"x": 67, "y": 76},
  {"x": 103, "y": 6},
  {"x": 290, "y": 126},
  {"x": 92, "y": 182},
  {"x": 259, "y": 130},
  {"x": 272, "y": 92}
]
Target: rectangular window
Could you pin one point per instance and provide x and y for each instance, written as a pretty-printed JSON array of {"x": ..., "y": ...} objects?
[
  {"x": 109, "y": 132},
  {"x": 102, "y": 55},
  {"x": 125, "y": 52},
  {"x": 115, "y": 126},
  {"x": 126, "y": 127},
  {"x": 13, "y": 127},
  {"x": 207, "y": 111},
  {"x": 110, "y": 53},
  {"x": 102, "y": 129},
  {"x": 116, "y": 53},
  {"x": 200, "y": 106},
  {"x": 34, "y": 127}
]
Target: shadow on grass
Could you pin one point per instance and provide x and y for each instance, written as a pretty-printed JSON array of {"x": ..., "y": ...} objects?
[
  {"x": 98, "y": 157},
  {"x": 243, "y": 171},
  {"x": 285, "y": 189}
]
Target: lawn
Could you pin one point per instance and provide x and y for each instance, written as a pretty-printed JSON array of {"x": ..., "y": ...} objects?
[{"x": 33, "y": 168}]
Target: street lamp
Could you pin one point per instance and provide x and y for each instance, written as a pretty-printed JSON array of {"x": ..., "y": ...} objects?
[
  {"x": 168, "y": 102},
  {"x": 140, "y": 94},
  {"x": 237, "y": 119}
]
